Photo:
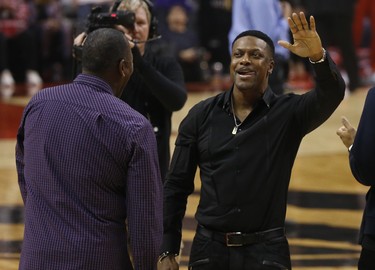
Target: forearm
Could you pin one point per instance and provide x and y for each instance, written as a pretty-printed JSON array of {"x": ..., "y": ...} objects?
[
  {"x": 330, "y": 86},
  {"x": 145, "y": 226},
  {"x": 329, "y": 79},
  {"x": 174, "y": 212},
  {"x": 172, "y": 94},
  {"x": 144, "y": 203},
  {"x": 318, "y": 104},
  {"x": 168, "y": 87},
  {"x": 178, "y": 186}
]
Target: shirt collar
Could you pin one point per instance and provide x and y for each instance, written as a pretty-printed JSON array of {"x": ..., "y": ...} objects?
[
  {"x": 267, "y": 99},
  {"x": 94, "y": 81}
]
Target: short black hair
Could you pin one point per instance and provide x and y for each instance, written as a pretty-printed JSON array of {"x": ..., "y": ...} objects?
[
  {"x": 258, "y": 34},
  {"x": 103, "y": 49}
]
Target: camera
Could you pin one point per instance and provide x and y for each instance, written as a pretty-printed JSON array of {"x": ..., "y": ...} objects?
[{"x": 98, "y": 19}]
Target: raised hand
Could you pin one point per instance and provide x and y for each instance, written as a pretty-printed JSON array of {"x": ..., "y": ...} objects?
[
  {"x": 306, "y": 41},
  {"x": 346, "y": 132}
]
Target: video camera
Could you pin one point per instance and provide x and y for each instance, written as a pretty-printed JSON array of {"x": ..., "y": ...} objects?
[{"x": 98, "y": 19}]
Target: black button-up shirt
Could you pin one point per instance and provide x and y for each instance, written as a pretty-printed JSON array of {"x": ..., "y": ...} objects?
[{"x": 245, "y": 177}]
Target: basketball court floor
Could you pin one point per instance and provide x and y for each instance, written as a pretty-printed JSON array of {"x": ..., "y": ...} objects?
[{"x": 324, "y": 208}]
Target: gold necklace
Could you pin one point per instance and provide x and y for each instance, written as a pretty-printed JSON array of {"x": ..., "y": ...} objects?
[{"x": 236, "y": 126}]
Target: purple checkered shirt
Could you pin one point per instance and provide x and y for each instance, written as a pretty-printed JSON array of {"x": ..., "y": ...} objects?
[{"x": 87, "y": 166}]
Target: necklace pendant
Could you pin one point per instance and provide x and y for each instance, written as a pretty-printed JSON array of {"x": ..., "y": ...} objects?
[{"x": 234, "y": 131}]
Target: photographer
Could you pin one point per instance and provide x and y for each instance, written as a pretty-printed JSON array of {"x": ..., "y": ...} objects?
[{"x": 156, "y": 89}]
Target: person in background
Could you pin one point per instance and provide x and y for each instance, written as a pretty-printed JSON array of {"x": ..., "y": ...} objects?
[
  {"x": 87, "y": 167},
  {"x": 364, "y": 34},
  {"x": 156, "y": 88},
  {"x": 162, "y": 7},
  {"x": 245, "y": 141},
  {"x": 18, "y": 47},
  {"x": 182, "y": 42},
  {"x": 335, "y": 23},
  {"x": 361, "y": 146},
  {"x": 55, "y": 40},
  {"x": 268, "y": 16},
  {"x": 213, "y": 20}
]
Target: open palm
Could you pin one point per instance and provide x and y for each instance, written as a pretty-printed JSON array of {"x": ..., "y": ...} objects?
[{"x": 306, "y": 41}]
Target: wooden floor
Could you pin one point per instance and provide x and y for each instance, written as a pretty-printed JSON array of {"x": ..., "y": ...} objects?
[{"x": 325, "y": 202}]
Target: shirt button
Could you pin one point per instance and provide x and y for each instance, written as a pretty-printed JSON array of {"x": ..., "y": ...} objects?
[
  {"x": 239, "y": 210},
  {"x": 238, "y": 171}
]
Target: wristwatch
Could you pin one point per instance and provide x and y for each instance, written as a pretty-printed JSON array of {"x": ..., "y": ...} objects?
[{"x": 320, "y": 60}]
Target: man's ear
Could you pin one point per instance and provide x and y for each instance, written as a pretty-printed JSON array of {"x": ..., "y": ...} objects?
[
  {"x": 271, "y": 66},
  {"x": 122, "y": 68}
]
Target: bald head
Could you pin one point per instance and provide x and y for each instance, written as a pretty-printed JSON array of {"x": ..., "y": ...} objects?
[{"x": 103, "y": 49}]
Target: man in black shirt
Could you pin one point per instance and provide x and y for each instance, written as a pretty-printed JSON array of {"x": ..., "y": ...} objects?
[{"x": 245, "y": 141}]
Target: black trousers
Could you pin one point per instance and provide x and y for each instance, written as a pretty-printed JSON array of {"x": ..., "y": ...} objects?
[
  {"x": 19, "y": 53},
  {"x": 208, "y": 254}
]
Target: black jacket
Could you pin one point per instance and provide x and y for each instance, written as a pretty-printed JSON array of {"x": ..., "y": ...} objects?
[{"x": 156, "y": 89}]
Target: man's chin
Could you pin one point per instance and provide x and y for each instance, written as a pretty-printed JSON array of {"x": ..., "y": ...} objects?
[{"x": 243, "y": 85}]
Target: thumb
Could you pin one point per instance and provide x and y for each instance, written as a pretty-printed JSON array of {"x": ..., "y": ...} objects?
[
  {"x": 285, "y": 44},
  {"x": 346, "y": 122}
]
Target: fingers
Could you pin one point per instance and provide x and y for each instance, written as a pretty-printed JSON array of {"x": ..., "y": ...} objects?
[
  {"x": 312, "y": 23},
  {"x": 120, "y": 28},
  {"x": 340, "y": 129},
  {"x": 345, "y": 136},
  {"x": 285, "y": 44},
  {"x": 126, "y": 33},
  {"x": 292, "y": 25},
  {"x": 346, "y": 126},
  {"x": 129, "y": 37},
  {"x": 346, "y": 132},
  {"x": 346, "y": 122},
  {"x": 80, "y": 39},
  {"x": 340, "y": 132},
  {"x": 302, "y": 17},
  {"x": 298, "y": 22}
]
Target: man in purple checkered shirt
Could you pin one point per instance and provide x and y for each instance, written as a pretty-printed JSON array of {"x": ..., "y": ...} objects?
[{"x": 87, "y": 165}]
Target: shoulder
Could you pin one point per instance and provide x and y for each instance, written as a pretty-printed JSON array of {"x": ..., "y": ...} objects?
[
  {"x": 202, "y": 109},
  {"x": 370, "y": 100},
  {"x": 210, "y": 102},
  {"x": 126, "y": 122},
  {"x": 159, "y": 57},
  {"x": 51, "y": 93},
  {"x": 371, "y": 92}
]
